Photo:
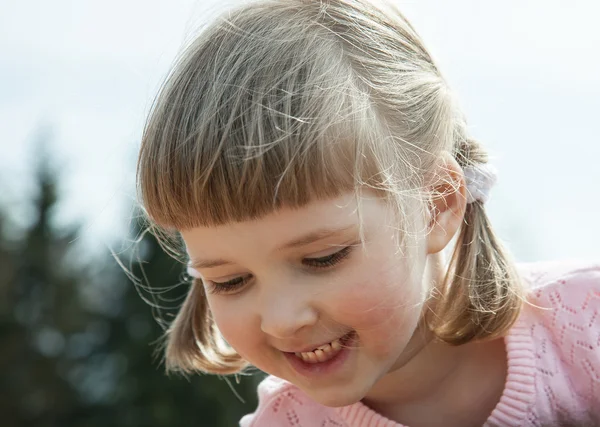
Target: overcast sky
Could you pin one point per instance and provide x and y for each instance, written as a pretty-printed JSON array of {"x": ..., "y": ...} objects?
[{"x": 527, "y": 73}]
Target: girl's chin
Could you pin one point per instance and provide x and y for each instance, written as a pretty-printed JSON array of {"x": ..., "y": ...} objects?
[{"x": 335, "y": 398}]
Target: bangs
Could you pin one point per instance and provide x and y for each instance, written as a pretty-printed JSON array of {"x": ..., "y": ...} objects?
[{"x": 253, "y": 121}]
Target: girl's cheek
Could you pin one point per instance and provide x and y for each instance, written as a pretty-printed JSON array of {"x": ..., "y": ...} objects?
[
  {"x": 369, "y": 308},
  {"x": 233, "y": 321},
  {"x": 379, "y": 300}
]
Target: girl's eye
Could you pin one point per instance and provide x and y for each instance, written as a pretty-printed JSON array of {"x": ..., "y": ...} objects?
[
  {"x": 329, "y": 260},
  {"x": 233, "y": 285},
  {"x": 229, "y": 286}
]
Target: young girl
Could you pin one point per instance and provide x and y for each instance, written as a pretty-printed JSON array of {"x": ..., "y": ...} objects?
[{"x": 311, "y": 165}]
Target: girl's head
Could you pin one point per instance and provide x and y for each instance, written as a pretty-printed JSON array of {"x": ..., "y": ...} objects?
[{"x": 294, "y": 120}]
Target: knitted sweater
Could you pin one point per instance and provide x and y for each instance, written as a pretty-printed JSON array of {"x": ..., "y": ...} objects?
[{"x": 553, "y": 355}]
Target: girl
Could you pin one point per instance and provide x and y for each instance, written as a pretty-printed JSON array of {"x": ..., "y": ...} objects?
[{"x": 309, "y": 162}]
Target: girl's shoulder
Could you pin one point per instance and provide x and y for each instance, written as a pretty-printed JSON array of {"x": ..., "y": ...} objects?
[
  {"x": 563, "y": 298},
  {"x": 562, "y": 320},
  {"x": 542, "y": 278},
  {"x": 282, "y": 403}
]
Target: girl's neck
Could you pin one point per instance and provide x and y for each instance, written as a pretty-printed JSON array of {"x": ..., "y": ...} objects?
[{"x": 444, "y": 382}]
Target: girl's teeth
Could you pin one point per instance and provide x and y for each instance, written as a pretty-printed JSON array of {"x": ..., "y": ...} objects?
[{"x": 321, "y": 354}]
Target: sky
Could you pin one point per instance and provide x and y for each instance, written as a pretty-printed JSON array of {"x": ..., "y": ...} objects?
[{"x": 526, "y": 73}]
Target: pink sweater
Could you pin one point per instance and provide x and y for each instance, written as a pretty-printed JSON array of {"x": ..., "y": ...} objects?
[{"x": 553, "y": 364}]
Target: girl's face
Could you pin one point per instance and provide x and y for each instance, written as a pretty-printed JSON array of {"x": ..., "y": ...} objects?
[{"x": 298, "y": 279}]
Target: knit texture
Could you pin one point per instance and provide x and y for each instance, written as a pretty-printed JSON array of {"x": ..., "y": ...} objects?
[{"x": 553, "y": 354}]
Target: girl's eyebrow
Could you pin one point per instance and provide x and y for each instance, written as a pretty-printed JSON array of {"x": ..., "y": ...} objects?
[
  {"x": 208, "y": 263},
  {"x": 317, "y": 235},
  {"x": 311, "y": 237}
]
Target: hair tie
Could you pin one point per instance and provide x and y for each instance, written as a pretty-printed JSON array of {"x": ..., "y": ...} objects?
[{"x": 480, "y": 179}]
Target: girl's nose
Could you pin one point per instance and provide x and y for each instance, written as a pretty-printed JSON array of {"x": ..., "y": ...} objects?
[{"x": 284, "y": 316}]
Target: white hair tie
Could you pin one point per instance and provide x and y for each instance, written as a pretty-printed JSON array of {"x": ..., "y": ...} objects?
[{"x": 480, "y": 179}]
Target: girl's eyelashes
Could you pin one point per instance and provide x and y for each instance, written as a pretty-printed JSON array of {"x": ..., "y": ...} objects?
[
  {"x": 228, "y": 286},
  {"x": 329, "y": 260},
  {"x": 233, "y": 285}
]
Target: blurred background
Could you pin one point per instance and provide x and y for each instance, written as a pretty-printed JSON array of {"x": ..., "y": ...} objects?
[{"x": 78, "y": 343}]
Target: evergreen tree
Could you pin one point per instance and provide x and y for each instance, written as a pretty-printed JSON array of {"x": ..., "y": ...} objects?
[
  {"x": 39, "y": 313},
  {"x": 78, "y": 341}
]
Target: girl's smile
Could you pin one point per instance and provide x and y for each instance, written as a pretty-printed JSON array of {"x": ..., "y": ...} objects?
[{"x": 325, "y": 360}]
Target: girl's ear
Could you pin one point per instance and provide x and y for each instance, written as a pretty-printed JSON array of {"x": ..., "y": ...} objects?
[{"x": 448, "y": 205}]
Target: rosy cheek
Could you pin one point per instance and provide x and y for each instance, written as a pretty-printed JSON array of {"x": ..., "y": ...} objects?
[
  {"x": 375, "y": 306},
  {"x": 382, "y": 308}
]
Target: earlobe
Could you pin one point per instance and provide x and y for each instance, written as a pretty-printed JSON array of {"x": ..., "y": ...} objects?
[{"x": 448, "y": 205}]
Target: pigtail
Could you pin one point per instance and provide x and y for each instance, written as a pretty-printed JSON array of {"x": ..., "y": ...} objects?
[
  {"x": 193, "y": 343},
  {"x": 482, "y": 295}
]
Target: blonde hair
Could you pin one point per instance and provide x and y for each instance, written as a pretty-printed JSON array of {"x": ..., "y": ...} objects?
[{"x": 283, "y": 102}]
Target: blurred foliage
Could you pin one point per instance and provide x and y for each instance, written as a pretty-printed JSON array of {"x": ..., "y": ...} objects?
[{"x": 79, "y": 343}]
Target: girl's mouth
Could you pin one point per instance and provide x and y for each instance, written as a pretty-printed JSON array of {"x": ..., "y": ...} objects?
[
  {"x": 322, "y": 353},
  {"x": 325, "y": 358}
]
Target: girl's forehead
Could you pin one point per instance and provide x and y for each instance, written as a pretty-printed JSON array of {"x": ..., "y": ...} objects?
[
  {"x": 348, "y": 208},
  {"x": 332, "y": 213},
  {"x": 336, "y": 218}
]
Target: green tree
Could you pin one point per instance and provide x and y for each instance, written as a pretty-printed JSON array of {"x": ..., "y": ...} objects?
[
  {"x": 78, "y": 341},
  {"x": 38, "y": 314}
]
